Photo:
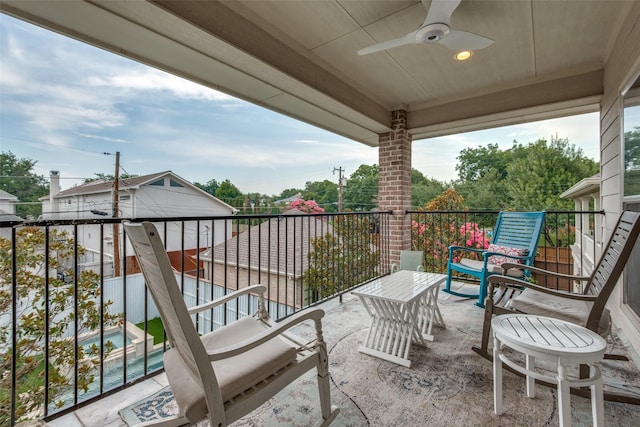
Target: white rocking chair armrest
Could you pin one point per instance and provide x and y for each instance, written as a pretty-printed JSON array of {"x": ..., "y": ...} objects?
[
  {"x": 269, "y": 333},
  {"x": 501, "y": 280},
  {"x": 259, "y": 289},
  {"x": 511, "y": 265}
]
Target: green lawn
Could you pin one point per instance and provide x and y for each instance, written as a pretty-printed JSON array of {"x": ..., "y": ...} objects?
[{"x": 155, "y": 328}]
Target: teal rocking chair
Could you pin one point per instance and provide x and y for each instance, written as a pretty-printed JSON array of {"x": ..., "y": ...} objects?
[{"x": 515, "y": 239}]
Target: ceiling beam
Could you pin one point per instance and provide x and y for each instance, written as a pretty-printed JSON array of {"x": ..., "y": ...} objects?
[{"x": 575, "y": 94}]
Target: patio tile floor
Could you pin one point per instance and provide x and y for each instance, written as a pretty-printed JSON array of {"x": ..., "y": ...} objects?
[{"x": 105, "y": 411}]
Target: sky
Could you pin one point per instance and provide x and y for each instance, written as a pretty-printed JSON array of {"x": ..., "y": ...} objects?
[{"x": 64, "y": 103}]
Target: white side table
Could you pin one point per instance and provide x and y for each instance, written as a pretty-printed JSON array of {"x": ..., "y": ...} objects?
[
  {"x": 561, "y": 342},
  {"x": 403, "y": 307}
]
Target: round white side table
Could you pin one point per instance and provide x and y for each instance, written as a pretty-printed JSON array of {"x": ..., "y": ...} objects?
[{"x": 564, "y": 343}]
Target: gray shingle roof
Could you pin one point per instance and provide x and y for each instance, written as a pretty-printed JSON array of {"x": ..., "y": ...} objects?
[
  {"x": 102, "y": 186},
  {"x": 4, "y": 195},
  {"x": 9, "y": 217},
  {"x": 280, "y": 244}
]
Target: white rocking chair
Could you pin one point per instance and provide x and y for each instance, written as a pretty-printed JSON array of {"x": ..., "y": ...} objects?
[{"x": 225, "y": 374}]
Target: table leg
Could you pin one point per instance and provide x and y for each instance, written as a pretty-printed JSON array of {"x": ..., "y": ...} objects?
[
  {"x": 497, "y": 377},
  {"x": 597, "y": 398},
  {"x": 531, "y": 381},
  {"x": 430, "y": 313},
  {"x": 391, "y": 332},
  {"x": 439, "y": 319},
  {"x": 564, "y": 397}
]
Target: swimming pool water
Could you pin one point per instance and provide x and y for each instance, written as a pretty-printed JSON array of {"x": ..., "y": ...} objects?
[{"x": 114, "y": 335}]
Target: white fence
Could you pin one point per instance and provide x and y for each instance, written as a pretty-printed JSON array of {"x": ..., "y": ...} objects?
[{"x": 207, "y": 321}]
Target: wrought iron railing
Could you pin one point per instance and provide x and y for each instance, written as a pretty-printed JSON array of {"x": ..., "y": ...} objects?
[
  {"x": 77, "y": 322},
  {"x": 568, "y": 244}
]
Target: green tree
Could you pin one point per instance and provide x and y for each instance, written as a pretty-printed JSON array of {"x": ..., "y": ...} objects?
[
  {"x": 108, "y": 177},
  {"x": 424, "y": 189},
  {"x": 361, "y": 190},
  {"x": 230, "y": 194},
  {"x": 34, "y": 318},
  {"x": 632, "y": 162},
  {"x": 523, "y": 177},
  {"x": 325, "y": 193},
  {"x": 288, "y": 193},
  {"x": 487, "y": 192},
  {"x": 536, "y": 178},
  {"x": 17, "y": 178},
  {"x": 342, "y": 260},
  {"x": 210, "y": 187},
  {"x": 474, "y": 163}
]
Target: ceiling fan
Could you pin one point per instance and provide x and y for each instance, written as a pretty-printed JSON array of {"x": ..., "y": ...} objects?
[{"x": 436, "y": 29}]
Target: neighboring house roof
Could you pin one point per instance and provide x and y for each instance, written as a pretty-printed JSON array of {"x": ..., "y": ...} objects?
[
  {"x": 103, "y": 186},
  {"x": 9, "y": 217},
  {"x": 586, "y": 186},
  {"x": 289, "y": 199},
  {"x": 279, "y": 245},
  {"x": 134, "y": 183},
  {"x": 7, "y": 196}
]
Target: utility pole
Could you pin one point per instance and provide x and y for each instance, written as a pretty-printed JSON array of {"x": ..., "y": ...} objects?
[
  {"x": 340, "y": 170},
  {"x": 116, "y": 210}
]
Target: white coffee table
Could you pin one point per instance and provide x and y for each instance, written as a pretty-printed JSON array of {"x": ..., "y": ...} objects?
[
  {"x": 563, "y": 343},
  {"x": 404, "y": 308}
]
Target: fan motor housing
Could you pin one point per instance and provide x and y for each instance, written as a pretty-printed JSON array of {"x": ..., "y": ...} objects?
[{"x": 432, "y": 33}]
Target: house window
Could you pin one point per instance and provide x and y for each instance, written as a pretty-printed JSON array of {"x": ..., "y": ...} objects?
[
  {"x": 632, "y": 270},
  {"x": 631, "y": 188},
  {"x": 632, "y": 141},
  {"x": 126, "y": 197},
  {"x": 158, "y": 182},
  {"x": 173, "y": 183}
]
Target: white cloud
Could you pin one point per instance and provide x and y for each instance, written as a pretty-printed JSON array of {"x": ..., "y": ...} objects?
[
  {"x": 102, "y": 138},
  {"x": 150, "y": 80}
]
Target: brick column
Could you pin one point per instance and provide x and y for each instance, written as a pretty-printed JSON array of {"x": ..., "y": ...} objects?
[{"x": 394, "y": 186}]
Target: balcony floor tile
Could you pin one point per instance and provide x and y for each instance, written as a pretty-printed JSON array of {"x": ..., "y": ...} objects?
[{"x": 344, "y": 325}]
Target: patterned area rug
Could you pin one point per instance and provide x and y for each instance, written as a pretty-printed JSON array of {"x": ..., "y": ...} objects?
[{"x": 448, "y": 384}]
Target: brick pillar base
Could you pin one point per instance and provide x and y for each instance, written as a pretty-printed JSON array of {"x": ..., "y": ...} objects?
[{"x": 394, "y": 185}]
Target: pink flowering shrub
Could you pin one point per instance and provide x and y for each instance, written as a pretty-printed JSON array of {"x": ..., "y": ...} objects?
[
  {"x": 307, "y": 206},
  {"x": 435, "y": 237},
  {"x": 473, "y": 236}
]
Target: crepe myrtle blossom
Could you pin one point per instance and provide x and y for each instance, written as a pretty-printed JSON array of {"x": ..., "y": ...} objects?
[{"x": 307, "y": 206}]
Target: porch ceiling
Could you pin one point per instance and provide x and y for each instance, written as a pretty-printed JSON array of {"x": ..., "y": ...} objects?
[{"x": 299, "y": 57}]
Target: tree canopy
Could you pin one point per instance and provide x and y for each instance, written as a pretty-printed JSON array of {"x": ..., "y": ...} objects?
[
  {"x": 325, "y": 193},
  {"x": 17, "y": 178},
  {"x": 523, "y": 177},
  {"x": 229, "y": 193},
  {"x": 424, "y": 189},
  {"x": 52, "y": 310},
  {"x": 632, "y": 162},
  {"x": 361, "y": 190},
  {"x": 210, "y": 187}
]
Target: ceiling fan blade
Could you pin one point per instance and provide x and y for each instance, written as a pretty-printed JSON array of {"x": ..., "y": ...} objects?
[
  {"x": 400, "y": 41},
  {"x": 463, "y": 40},
  {"x": 440, "y": 11}
]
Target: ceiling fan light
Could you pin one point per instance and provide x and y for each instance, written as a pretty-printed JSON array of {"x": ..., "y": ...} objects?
[{"x": 463, "y": 55}]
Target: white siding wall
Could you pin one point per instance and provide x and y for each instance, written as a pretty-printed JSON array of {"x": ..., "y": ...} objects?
[
  {"x": 622, "y": 65},
  {"x": 149, "y": 201}
]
